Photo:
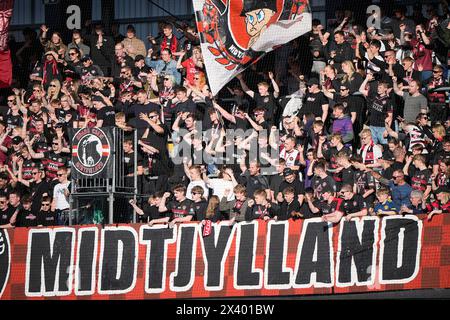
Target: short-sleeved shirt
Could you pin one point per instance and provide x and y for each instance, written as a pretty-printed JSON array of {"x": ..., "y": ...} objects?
[
  {"x": 318, "y": 184},
  {"x": 355, "y": 204},
  {"x": 180, "y": 209},
  {"x": 379, "y": 108},
  {"x": 413, "y": 106},
  {"x": 313, "y": 104}
]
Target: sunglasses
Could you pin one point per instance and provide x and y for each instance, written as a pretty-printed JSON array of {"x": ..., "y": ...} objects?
[
  {"x": 52, "y": 85},
  {"x": 55, "y": 144},
  {"x": 396, "y": 177},
  {"x": 46, "y": 204},
  {"x": 11, "y": 101},
  {"x": 436, "y": 71},
  {"x": 72, "y": 54},
  {"x": 36, "y": 90},
  {"x": 343, "y": 89},
  {"x": 166, "y": 79}
]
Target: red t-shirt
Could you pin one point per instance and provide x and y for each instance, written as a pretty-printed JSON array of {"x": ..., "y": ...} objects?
[{"x": 191, "y": 70}]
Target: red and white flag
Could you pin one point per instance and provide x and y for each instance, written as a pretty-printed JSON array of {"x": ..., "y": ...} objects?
[
  {"x": 6, "y": 10},
  {"x": 237, "y": 33}
]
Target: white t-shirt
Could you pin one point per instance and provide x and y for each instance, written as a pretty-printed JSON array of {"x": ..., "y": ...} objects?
[
  {"x": 200, "y": 183},
  {"x": 60, "y": 198},
  {"x": 219, "y": 186}
]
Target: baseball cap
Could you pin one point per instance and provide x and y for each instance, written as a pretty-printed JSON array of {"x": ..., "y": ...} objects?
[
  {"x": 17, "y": 140},
  {"x": 288, "y": 172},
  {"x": 86, "y": 58},
  {"x": 312, "y": 81}
]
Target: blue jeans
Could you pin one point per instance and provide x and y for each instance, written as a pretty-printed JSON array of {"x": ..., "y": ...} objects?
[{"x": 377, "y": 135}]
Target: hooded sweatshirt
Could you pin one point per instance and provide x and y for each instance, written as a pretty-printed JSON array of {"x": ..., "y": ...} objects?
[{"x": 344, "y": 127}]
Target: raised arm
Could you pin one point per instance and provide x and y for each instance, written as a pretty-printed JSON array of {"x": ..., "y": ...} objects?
[{"x": 244, "y": 86}]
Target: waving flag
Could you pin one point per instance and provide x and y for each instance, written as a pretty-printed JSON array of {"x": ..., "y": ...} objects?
[
  {"x": 6, "y": 9},
  {"x": 237, "y": 33}
]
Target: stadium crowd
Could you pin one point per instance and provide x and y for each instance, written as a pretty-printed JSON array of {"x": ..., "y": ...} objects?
[{"x": 357, "y": 124}]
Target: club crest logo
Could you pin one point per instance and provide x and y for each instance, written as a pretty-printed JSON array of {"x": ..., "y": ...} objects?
[
  {"x": 5, "y": 260},
  {"x": 90, "y": 151}
]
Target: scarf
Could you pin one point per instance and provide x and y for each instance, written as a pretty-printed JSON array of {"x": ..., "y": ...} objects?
[{"x": 55, "y": 70}]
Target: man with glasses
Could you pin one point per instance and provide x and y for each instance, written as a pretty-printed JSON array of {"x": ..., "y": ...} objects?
[
  {"x": 315, "y": 101},
  {"x": 46, "y": 215},
  {"x": 142, "y": 106},
  {"x": 400, "y": 190},
  {"x": 38, "y": 187},
  {"x": 436, "y": 100},
  {"x": 7, "y": 216},
  {"x": 89, "y": 70},
  {"x": 121, "y": 59},
  {"x": 165, "y": 66},
  {"x": 61, "y": 195}
]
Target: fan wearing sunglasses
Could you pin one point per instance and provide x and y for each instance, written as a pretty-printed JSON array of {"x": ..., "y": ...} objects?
[
  {"x": 46, "y": 216},
  {"x": 7, "y": 213}
]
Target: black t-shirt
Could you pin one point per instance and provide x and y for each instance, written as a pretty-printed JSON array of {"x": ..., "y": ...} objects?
[
  {"x": 267, "y": 102},
  {"x": 180, "y": 209},
  {"x": 107, "y": 114},
  {"x": 186, "y": 106},
  {"x": 299, "y": 187},
  {"x": 199, "y": 210},
  {"x": 313, "y": 103},
  {"x": 14, "y": 120},
  {"x": 379, "y": 107},
  {"x": 355, "y": 204},
  {"x": 150, "y": 213},
  {"x": 26, "y": 219},
  {"x": 5, "y": 215},
  {"x": 260, "y": 211},
  {"x": 286, "y": 209},
  {"x": 53, "y": 162},
  {"x": 46, "y": 218},
  {"x": 38, "y": 190},
  {"x": 137, "y": 109},
  {"x": 326, "y": 208},
  {"x": 128, "y": 159},
  {"x": 318, "y": 184}
]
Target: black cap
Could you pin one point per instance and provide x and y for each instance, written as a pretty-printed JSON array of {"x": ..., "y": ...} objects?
[
  {"x": 288, "y": 172},
  {"x": 86, "y": 57},
  {"x": 250, "y": 5},
  {"x": 139, "y": 57},
  {"x": 389, "y": 156},
  {"x": 17, "y": 140},
  {"x": 312, "y": 81}
]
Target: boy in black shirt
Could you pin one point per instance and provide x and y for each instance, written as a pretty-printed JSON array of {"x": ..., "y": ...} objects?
[
  {"x": 151, "y": 212},
  {"x": 46, "y": 217},
  {"x": 290, "y": 207},
  {"x": 354, "y": 204},
  {"x": 200, "y": 204},
  {"x": 260, "y": 208},
  {"x": 6, "y": 214},
  {"x": 178, "y": 210},
  {"x": 26, "y": 218}
]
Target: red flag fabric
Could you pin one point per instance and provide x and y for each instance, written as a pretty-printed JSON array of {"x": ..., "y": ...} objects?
[
  {"x": 6, "y": 10},
  {"x": 237, "y": 33}
]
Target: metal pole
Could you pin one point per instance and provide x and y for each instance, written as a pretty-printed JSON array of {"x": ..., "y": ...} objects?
[
  {"x": 71, "y": 200},
  {"x": 112, "y": 188},
  {"x": 135, "y": 175}
]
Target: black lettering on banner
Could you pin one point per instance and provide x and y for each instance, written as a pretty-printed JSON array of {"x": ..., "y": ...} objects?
[
  {"x": 314, "y": 264},
  {"x": 183, "y": 278},
  {"x": 118, "y": 260},
  {"x": 357, "y": 252},
  {"x": 5, "y": 260},
  {"x": 49, "y": 270},
  {"x": 400, "y": 249},
  {"x": 215, "y": 248},
  {"x": 86, "y": 261},
  {"x": 246, "y": 276},
  {"x": 277, "y": 275},
  {"x": 156, "y": 239}
]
